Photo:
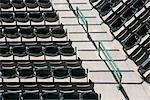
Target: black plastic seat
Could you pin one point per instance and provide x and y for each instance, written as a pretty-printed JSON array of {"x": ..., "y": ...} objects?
[
  {"x": 139, "y": 4},
  {"x": 51, "y": 16},
  {"x": 51, "y": 96},
  {"x": 4, "y": 51},
  {"x": 71, "y": 96},
  {"x": 129, "y": 13},
  {"x": 117, "y": 24},
  {"x": 36, "y": 16},
  {"x": 21, "y": 17},
  {"x": 27, "y": 32},
  {"x": 31, "y": 95},
  {"x": 58, "y": 32},
  {"x": 19, "y": 50},
  {"x": 35, "y": 51},
  {"x": 7, "y": 17},
  {"x": 5, "y": 4},
  {"x": 9, "y": 73},
  {"x": 105, "y": 9},
  {"x": 26, "y": 72},
  {"x": 18, "y": 4},
  {"x": 90, "y": 96},
  {"x": 143, "y": 30},
  {"x": 67, "y": 51},
  {"x": 131, "y": 41},
  {"x": 61, "y": 73},
  {"x": 44, "y": 3},
  {"x": 43, "y": 73},
  {"x": 11, "y": 32},
  {"x": 31, "y": 3},
  {"x": 42, "y": 32},
  {"x": 1, "y": 33},
  {"x": 11, "y": 95},
  {"x": 78, "y": 73},
  {"x": 51, "y": 50}
]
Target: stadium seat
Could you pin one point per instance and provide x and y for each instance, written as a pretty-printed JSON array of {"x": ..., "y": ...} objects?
[
  {"x": 67, "y": 51},
  {"x": 19, "y": 50},
  {"x": 11, "y": 95},
  {"x": 42, "y": 32},
  {"x": 51, "y": 50},
  {"x": 36, "y": 16},
  {"x": 27, "y": 32},
  {"x": 50, "y": 95},
  {"x": 11, "y": 32},
  {"x": 34, "y": 51},
  {"x": 25, "y": 72},
  {"x": 7, "y": 17},
  {"x": 44, "y": 3},
  {"x": 90, "y": 96},
  {"x": 4, "y": 51},
  {"x": 139, "y": 4},
  {"x": 71, "y": 96},
  {"x": 131, "y": 41},
  {"x": 9, "y": 72},
  {"x": 5, "y": 4},
  {"x": 58, "y": 32},
  {"x": 142, "y": 31},
  {"x": 43, "y": 72},
  {"x": 21, "y": 17},
  {"x": 50, "y": 16},
  {"x": 129, "y": 13},
  {"x": 1, "y": 33},
  {"x": 18, "y": 4},
  {"x": 31, "y": 95},
  {"x": 31, "y": 3},
  {"x": 60, "y": 73},
  {"x": 78, "y": 73}
]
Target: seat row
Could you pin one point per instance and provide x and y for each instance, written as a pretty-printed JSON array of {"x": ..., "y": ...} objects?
[
  {"x": 23, "y": 72},
  {"x": 36, "y": 50},
  {"x": 31, "y": 32},
  {"x": 136, "y": 36},
  {"x": 104, "y": 6},
  {"x": 139, "y": 21},
  {"x": 10, "y": 17},
  {"x": 6, "y": 4}
]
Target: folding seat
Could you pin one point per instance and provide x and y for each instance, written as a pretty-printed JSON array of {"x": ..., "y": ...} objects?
[
  {"x": 78, "y": 73},
  {"x": 129, "y": 13},
  {"x": 1, "y": 32},
  {"x": 67, "y": 51},
  {"x": 42, "y": 31},
  {"x": 117, "y": 24},
  {"x": 8, "y": 73},
  {"x": 89, "y": 96},
  {"x": 43, "y": 73},
  {"x": 105, "y": 9},
  {"x": 5, "y": 50},
  {"x": 139, "y": 4},
  {"x": 26, "y": 72},
  {"x": 71, "y": 96},
  {"x": 143, "y": 69},
  {"x": 51, "y": 50},
  {"x": 36, "y": 16},
  {"x": 44, "y": 3},
  {"x": 11, "y": 95},
  {"x": 131, "y": 41},
  {"x": 143, "y": 30},
  {"x": 7, "y": 17},
  {"x": 115, "y": 2},
  {"x": 60, "y": 73},
  {"x": 18, "y": 4},
  {"x": 73, "y": 63},
  {"x": 5, "y": 4},
  {"x": 31, "y": 3},
  {"x": 19, "y": 50},
  {"x": 35, "y": 50},
  {"x": 51, "y": 16},
  {"x": 31, "y": 95},
  {"x": 21, "y": 16},
  {"x": 50, "y": 95},
  {"x": 11, "y": 32},
  {"x": 27, "y": 32},
  {"x": 58, "y": 32}
]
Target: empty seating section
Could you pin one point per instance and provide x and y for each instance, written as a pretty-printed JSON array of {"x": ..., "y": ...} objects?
[
  {"x": 5, "y": 4},
  {"x": 57, "y": 91}
]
